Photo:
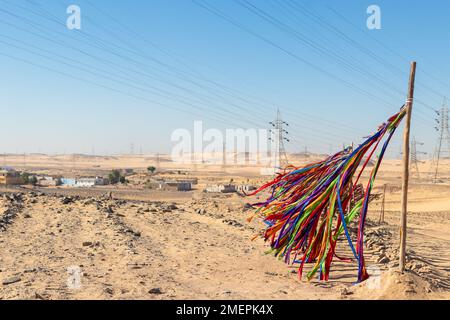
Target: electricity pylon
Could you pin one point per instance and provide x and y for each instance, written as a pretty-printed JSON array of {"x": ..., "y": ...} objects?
[
  {"x": 414, "y": 158},
  {"x": 278, "y": 138},
  {"x": 443, "y": 145}
]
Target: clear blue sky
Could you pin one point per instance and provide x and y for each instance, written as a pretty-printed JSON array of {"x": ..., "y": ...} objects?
[{"x": 140, "y": 69}]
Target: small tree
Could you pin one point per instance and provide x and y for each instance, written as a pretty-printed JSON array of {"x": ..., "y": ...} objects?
[
  {"x": 114, "y": 177},
  {"x": 25, "y": 177},
  {"x": 151, "y": 169},
  {"x": 33, "y": 180}
]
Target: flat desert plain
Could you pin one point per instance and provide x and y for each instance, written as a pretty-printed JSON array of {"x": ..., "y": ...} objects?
[{"x": 130, "y": 242}]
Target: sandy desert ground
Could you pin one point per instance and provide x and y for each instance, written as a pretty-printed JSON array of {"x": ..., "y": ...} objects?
[{"x": 145, "y": 244}]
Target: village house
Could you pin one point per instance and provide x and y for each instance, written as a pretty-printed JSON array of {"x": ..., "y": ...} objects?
[
  {"x": 90, "y": 182},
  {"x": 221, "y": 188},
  {"x": 169, "y": 185},
  {"x": 68, "y": 182},
  {"x": 84, "y": 182},
  {"x": 9, "y": 176},
  {"x": 46, "y": 181}
]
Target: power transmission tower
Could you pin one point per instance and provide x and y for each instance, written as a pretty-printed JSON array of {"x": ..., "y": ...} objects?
[
  {"x": 443, "y": 145},
  {"x": 278, "y": 138},
  {"x": 414, "y": 159}
]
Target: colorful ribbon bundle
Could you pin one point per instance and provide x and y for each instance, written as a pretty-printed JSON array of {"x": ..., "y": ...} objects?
[{"x": 310, "y": 207}]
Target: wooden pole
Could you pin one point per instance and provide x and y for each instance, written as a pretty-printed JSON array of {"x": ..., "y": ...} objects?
[
  {"x": 382, "y": 205},
  {"x": 404, "y": 203}
]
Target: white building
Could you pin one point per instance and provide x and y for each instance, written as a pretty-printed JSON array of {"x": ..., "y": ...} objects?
[
  {"x": 221, "y": 188},
  {"x": 89, "y": 182}
]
